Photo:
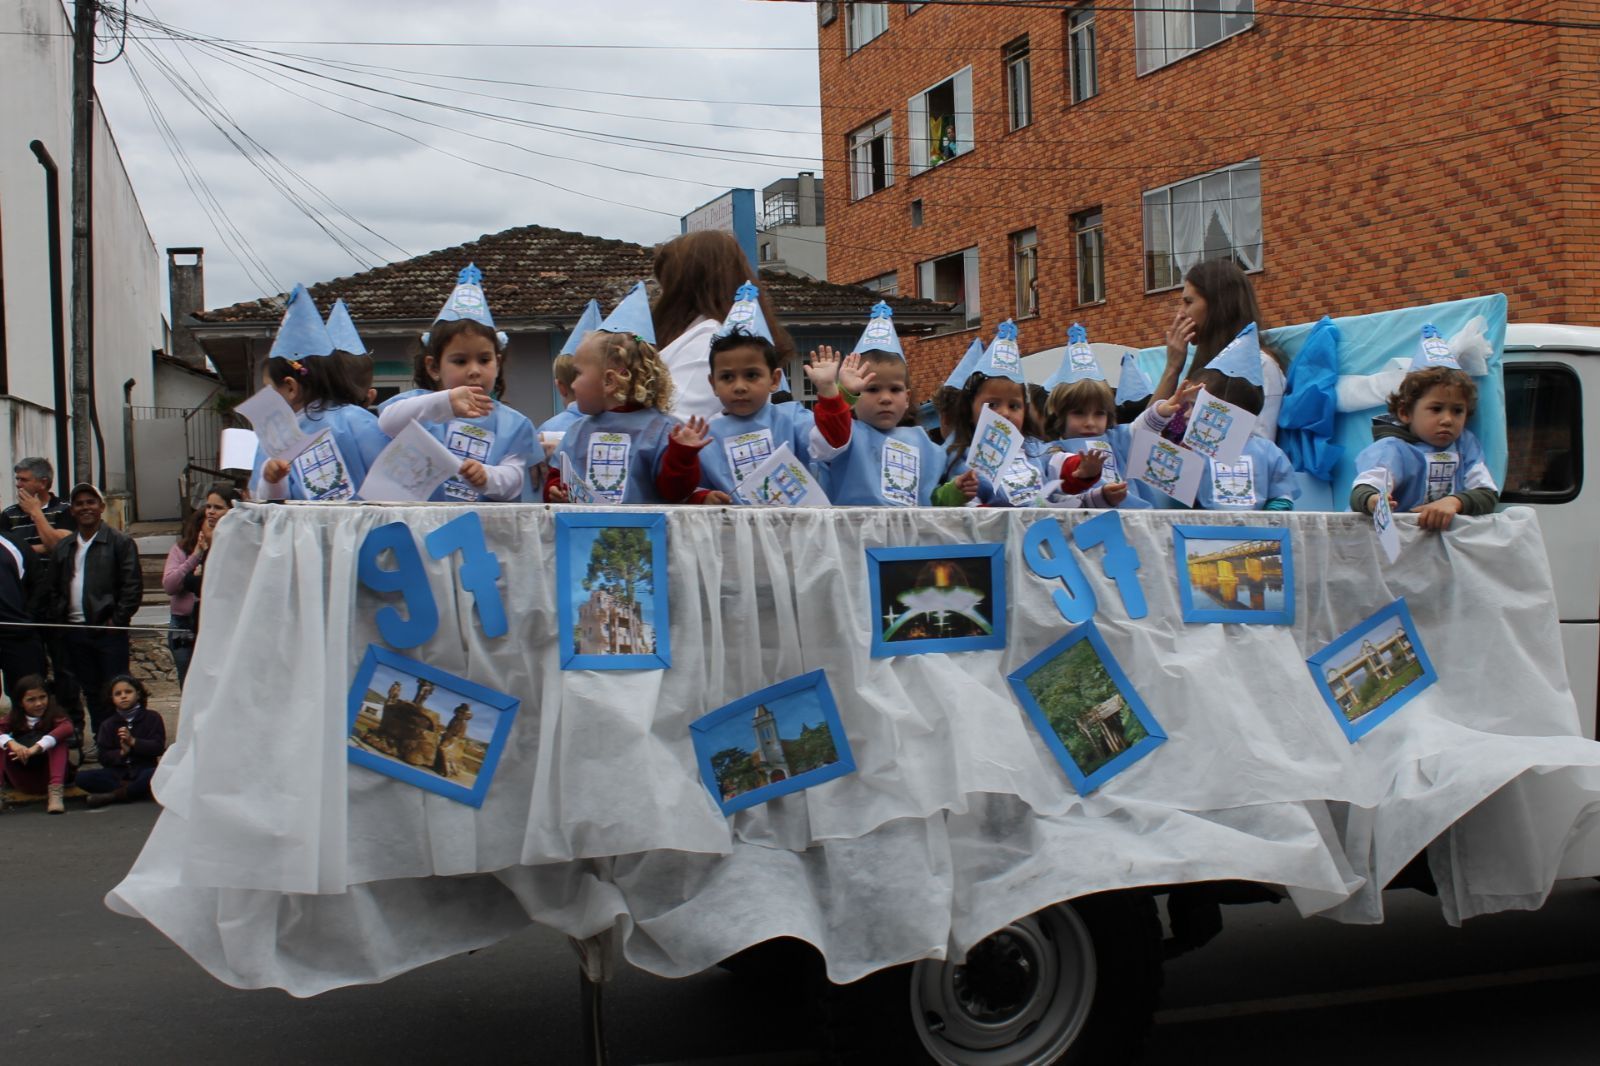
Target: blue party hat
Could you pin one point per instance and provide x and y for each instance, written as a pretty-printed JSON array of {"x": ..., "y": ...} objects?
[
  {"x": 745, "y": 314},
  {"x": 879, "y": 336},
  {"x": 342, "y": 330},
  {"x": 1434, "y": 351},
  {"x": 1078, "y": 362},
  {"x": 1241, "y": 358},
  {"x": 467, "y": 299},
  {"x": 783, "y": 382},
  {"x": 1132, "y": 384},
  {"x": 1002, "y": 359},
  {"x": 301, "y": 333},
  {"x": 632, "y": 315},
  {"x": 588, "y": 322},
  {"x": 969, "y": 362}
]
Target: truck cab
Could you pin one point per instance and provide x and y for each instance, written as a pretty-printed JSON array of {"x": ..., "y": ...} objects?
[{"x": 1552, "y": 381}]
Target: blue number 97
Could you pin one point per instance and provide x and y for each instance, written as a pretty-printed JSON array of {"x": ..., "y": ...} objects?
[{"x": 409, "y": 578}]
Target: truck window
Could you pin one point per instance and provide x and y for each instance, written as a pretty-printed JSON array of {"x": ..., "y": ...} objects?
[{"x": 1544, "y": 433}]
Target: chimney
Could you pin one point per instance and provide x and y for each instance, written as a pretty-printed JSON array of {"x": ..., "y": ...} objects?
[
  {"x": 186, "y": 285},
  {"x": 805, "y": 196}
]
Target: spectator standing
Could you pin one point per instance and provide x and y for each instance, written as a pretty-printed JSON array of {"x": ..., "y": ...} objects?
[
  {"x": 21, "y": 652},
  {"x": 97, "y": 590},
  {"x": 37, "y": 522},
  {"x": 185, "y": 570}
]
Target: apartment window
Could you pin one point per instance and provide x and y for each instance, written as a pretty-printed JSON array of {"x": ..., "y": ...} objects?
[
  {"x": 780, "y": 209},
  {"x": 884, "y": 284},
  {"x": 1213, "y": 216},
  {"x": 953, "y": 279},
  {"x": 872, "y": 158},
  {"x": 1019, "y": 83},
  {"x": 916, "y": 212},
  {"x": 1167, "y": 30},
  {"x": 941, "y": 121},
  {"x": 1083, "y": 75},
  {"x": 863, "y": 23},
  {"x": 913, "y": 8},
  {"x": 1025, "y": 266},
  {"x": 1544, "y": 433},
  {"x": 1088, "y": 239},
  {"x": 827, "y": 11}
]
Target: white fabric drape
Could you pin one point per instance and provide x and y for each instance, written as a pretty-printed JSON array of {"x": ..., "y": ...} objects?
[{"x": 275, "y": 863}]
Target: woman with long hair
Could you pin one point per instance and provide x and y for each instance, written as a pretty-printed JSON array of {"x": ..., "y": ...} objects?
[
  {"x": 185, "y": 570},
  {"x": 698, "y": 274},
  {"x": 1217, "y": 302}
]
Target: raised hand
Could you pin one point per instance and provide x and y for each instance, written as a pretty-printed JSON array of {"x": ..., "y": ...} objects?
[
  {"x": 853, "y": 377},
  {"x": 1115, "y": 492},
  {"x": 274, "y": 471},
  {"x": 692, "y": 434},
  {"x": 823, "y": 370},
  {"x": 1090, "y": 465},
  {"x": 469, "y": 401},
  {"x": 1180, "y": 400},
  {"x": 474, "y": 474},
  {"x": 968, "y": 484},
  {"x": 1179, "y": 336}
]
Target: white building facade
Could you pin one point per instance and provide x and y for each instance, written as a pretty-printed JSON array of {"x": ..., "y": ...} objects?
[{"x": 36, "y": 106}]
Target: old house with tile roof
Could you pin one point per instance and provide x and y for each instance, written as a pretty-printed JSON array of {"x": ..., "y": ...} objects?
[{"x": 537, "y": 280}]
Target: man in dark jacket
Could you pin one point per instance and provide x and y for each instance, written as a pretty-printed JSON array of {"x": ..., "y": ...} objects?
[
  {"x": 21, "y": 652},
  {"x": 97, "y": 590}
]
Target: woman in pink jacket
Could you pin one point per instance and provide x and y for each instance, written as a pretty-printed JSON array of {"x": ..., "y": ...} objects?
[{"x": 185, "y": 569}]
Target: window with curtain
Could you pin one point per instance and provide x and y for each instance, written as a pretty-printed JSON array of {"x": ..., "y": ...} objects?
[
  {"x": 1083, "y": 80},
  {"x": 1019, "y": 83},
  {"x": 1088, "y": 237},
  {"x": 872, "y": 158},
  {"x": 863, "y": 23},
  {"x": 1025, "y": 265},
  {"x": 940, "y": 120},
  {"x": 1167, "y": 30},
  {"x": 1213, "y": 216}
]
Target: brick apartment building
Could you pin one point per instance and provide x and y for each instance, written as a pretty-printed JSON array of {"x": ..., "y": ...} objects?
[{"x": 1062, "y": 164}]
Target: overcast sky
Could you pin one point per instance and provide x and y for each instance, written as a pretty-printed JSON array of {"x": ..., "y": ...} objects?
[{"x": 412, "y": 195}]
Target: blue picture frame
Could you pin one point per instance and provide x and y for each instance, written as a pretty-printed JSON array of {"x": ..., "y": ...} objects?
[
  {"x": 797, "y": 701},
  {"x": 1396, "y": 652},
  {"x": 382, "y": 667},
  {"x": 1110, "y": 750},
  {"x": 983, "y": 567},
  {"x": 1252, "y": 542},
  {"x": 577, "y": 609}
]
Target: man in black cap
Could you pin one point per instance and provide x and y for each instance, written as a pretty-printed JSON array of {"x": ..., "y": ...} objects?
[{"x": 98, "y": 589}]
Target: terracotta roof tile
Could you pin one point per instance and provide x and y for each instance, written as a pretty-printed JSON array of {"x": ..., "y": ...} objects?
[{"x": 539, "y": 273}]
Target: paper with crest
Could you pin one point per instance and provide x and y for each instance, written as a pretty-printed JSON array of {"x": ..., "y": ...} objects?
[
  {"x": 995, "y": 443},
  {"x": 782, "y": 481},
  {"x": 1218, "y": 429},
  {"x": 578, "y": 490},
  {"x": 410, "y": 468},
  {"x": 276, "y": 426},
  {"x": 1383, "y": 523},
  {"x": 1164, "y": 466}
]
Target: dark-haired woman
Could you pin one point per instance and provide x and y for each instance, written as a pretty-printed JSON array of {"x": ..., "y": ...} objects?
[
  {"x": 698, "y": 274},
  {"x": 186, "y": 568},
  {"x": 1217, "y": 302}
]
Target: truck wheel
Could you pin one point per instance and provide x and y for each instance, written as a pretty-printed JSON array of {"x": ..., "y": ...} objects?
[{"x": 1075, "y": 983}]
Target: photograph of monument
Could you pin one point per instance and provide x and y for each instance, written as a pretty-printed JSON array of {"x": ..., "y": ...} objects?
[
  {"x": 612, "y": 597},
  {"x": 1367, "y": 673},
  {"x": 940, "y": 598},
  {"x": 1235, "y": 574}
]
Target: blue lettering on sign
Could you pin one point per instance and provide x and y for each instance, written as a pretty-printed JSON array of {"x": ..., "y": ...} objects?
[
  {"x": 1076, "y": 599},
  {"x": 479, "y": 574}
]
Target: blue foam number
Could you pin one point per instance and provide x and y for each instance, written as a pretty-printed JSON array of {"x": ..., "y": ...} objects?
[
  {"x": 1076, "y": 603},
  {"x": 1121, "y": 563},
  {"x": 480, "y": 568},
  {"x": 409, "y": 578}
]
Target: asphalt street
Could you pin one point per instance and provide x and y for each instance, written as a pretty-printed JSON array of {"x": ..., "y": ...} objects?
[{"x": 82, "y": 984}]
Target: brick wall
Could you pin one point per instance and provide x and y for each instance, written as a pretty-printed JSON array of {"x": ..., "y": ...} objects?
[{"x": 1400, "y": 163}]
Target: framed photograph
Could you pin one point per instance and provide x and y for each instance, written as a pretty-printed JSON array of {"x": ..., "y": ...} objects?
[
  {"x": 426, "y": 727},
  {"x": 1373, "y": 670},
  {"x": 775, "y": 741},
  {"x": 1084, "y": 707},
  {"x": 945, "y": 597},
  {"x": 1235, "y": 574},
  {"x": 611, "y": 591}
]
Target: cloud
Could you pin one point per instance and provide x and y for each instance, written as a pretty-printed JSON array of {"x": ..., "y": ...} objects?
[{"x": 560, "y": 160}]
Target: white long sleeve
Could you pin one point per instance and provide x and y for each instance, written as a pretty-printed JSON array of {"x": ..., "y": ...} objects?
[
  {"x": 434, "y": 407},
  {"x": 506, "y": 479},
  {"x": 688, "y": 360}
]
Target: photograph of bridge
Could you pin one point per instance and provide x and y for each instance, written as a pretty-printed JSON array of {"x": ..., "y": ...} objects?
[
  {"x": 1370, "y": 671},
  {"x": 1235, "y": 574}
]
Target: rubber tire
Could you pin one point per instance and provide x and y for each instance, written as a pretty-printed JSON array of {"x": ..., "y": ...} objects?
[{"x": 870, "y": 1021}]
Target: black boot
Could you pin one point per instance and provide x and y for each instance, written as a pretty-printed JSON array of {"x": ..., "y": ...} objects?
[{"x": 105, "y": 799}]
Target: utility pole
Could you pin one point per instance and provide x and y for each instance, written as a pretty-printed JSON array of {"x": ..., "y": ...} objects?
[{"x": 82, "y": 254}]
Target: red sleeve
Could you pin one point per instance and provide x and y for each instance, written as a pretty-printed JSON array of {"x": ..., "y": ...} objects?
[
  {"x": 679, "y": 475},
  {"x": 63, "y": 731},
  {"x": 833, "y": 420},
  {"x": 1070, "y": 482},
  {"x": 551, "y": 480}
]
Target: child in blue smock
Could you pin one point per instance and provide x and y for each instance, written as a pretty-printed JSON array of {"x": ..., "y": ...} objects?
[
  {"x": 882, "y": 463},
  {"x": 625, "y": 446},
  {"x": 995, "y": 381},
  {"x": 327, "y": 402},
  {"x": 1080, "y": 418},
  {"x": 459, "y": 365},
  {"x": 746, "y": 369},
  {"x": 1262, "y": 478},
  {"x": 1423, "y": 455}
]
